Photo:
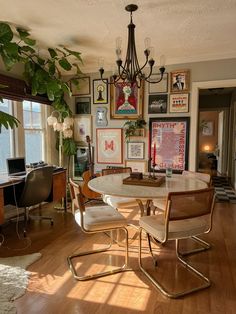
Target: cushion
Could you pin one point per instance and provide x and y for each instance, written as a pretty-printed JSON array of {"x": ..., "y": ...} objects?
[
  {"x": 100, "y": 217},
  {"x": 160, "y": 203},
  {"x": 119, "y": 202},
  {"x": 178, "y": 229}
]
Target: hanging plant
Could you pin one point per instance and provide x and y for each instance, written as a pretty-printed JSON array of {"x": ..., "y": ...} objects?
[{"x": 130, "y": 127}]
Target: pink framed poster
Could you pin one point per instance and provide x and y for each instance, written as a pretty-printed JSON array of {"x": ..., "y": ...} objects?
[
  {"x": 168, "y": 143},
  {"x": 109, "y": 146}
]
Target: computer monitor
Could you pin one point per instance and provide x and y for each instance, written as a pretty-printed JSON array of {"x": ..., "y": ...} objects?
[{"x": 16, "y": 166}]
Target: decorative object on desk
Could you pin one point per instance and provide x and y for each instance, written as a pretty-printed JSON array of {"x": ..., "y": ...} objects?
[
  {"x": 157, "y": 103},
  {"x": 160, "y": 88},
  {"x": 168, "y": 145},
  {"x": 126, "y": 101},
  {"x": 100, "y": 91},
  {"x": 135, "y": 150},
  {"x": 137, "y": 165},
  {"x": 14, "y": 279},
  {"x": 179, "y": 81},
  {"x": 134, "y": 128},
  {"x": 83, "y": 87},
  {"x": 145, "y": 181},
  {"x": 101, "y": 116},
  {"x": 130, "y": 71},
  {"x": 179, "y": 102},
  {"x": 82, "y": 127},
  {"x": 82, "y": 105},
  {"x": 136, "y": 175},
  {"x": 110, "y": 146}
]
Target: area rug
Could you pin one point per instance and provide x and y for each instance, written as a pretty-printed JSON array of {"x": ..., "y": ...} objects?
[
  {"x": 223, "y": 189},
  {"x": 14, "y": 279}
]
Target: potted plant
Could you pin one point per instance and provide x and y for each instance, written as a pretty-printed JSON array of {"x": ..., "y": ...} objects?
[{"x": 131, "y": 127}]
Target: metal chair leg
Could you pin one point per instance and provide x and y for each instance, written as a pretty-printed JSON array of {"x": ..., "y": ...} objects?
[
  {"x": 124, "y": 267},
  {"x": 204, "y": 246}
]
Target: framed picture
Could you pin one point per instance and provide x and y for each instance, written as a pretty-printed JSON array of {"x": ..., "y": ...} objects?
[
  {"x": 157, "y": 103},
  {"x": 161, "y": 87},
  {"x": 101, "y": 116},
  {"x": 109, "y": 146},
  {"x": 126, "y": 101},
  {"x": 82, "y": 128},
  {"x": 137, "y": 165},
  {"x": 83, "y": 87},
  {"x": 135, "y": 150},
  {"x": 207, "y": 128},
  {"x": 179, "y": 81},
  {"x": 80, "y": 162},
  {"x": 82, "y": 105},
  {"x": 179, "y": 102},
  {"x": 168, "y": 144},
  {"x": 100, "y": 91}
]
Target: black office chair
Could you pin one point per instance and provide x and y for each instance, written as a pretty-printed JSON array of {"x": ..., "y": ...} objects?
[{"x": 37, "y": 188}]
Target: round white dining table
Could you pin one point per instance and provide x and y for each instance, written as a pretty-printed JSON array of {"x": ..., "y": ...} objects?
[{"x": 113, "y": 185}]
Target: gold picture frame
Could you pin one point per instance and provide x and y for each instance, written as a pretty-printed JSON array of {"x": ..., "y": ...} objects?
[{"x": 179, "y": 81}]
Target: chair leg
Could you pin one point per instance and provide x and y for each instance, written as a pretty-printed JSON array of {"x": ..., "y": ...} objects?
[
  {"x": 160, "y": 287},
  {"x": 124, "y": 267},
  {"x": 204, "y": 246}
]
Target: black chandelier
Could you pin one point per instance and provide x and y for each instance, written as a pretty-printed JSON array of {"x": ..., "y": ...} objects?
[{"x": 130, "y": 72}]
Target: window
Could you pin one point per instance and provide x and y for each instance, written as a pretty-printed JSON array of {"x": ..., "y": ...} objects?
[
  {"x": 34, "y": 131},
  {"x": 6, "y": 142}
]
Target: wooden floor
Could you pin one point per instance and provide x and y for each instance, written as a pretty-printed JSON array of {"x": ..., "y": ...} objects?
[{"x": 53, "y": 290}]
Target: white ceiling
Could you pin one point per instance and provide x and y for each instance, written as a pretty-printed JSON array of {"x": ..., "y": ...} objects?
[{"x": 182, "y": 30}]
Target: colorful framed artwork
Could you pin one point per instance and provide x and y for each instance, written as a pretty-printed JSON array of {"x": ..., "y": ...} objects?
[
  {"x": 179, "y": 102},
  {"x": 135, "y": 150},
  {"x": 109, "y": 143},
  {"x": 100, "y": 91},
  {"x": 179, "y": 81},
  {"x": 168, "y": 143},
  {"x": 137, "y": 165},
  {"x": 158, "y": 88},
  {"x": 126, "y": 101},
  {"x": 157, "y": 103},
  {"x": 83, "y": 87},
  {"x": 83, "y": 105},
  {"x": 101, "y": 116},
  {"x": 82, "y": 128}
]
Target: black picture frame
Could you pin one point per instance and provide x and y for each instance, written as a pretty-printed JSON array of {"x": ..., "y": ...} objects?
[
  {"x": 170, "y": 137},
  {"x": 157, "y": 103},
  {"x": 83, "y": 105}
]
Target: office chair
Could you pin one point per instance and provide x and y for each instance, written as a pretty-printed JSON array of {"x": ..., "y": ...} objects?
[
  {"x": 187, "y": 214},
  {"x": 97, "y": 219},
  {"x": 37, "y": 188}
]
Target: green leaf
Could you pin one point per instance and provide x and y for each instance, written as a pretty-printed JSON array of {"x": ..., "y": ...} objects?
[
  {"x": 29, "y": 41},
  {"x": 27, "y": 49},
  {"x": 52, "y": 89},
  {"x": 74, "y": 53},
  {"x": 8, "y": 62},
  {"x": 6, "y": 33},
  {"x": 8, "y": 121},
  {"x": 11, "y": 49},
  {"x": 40, "y": 61},
  {"x": 66, "y": 89},
  {"x": 78, "y": 72},
  {"x": 69, "y": 146},
  {"x": 52, "y": 52},
  {"x": 22, "y": 33},
  {"x": 51, "y": 68},
  {"x": 65, "y": 64}
]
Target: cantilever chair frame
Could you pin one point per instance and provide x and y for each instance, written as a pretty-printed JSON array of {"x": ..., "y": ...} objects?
[
  {"x": 124, "y": 267},
  {"x": 157, "y": 284}
]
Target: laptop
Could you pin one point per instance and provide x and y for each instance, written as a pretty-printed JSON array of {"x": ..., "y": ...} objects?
[{"x": 16, "y": 167}]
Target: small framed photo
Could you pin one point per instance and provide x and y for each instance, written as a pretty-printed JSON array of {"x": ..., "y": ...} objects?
[
  {"x": 179, "y": 102},
  {"x": 208, "y": 128},
  {"x": 100, "y": 91},
  {"x": 135, "y": 150},
  {"x": 157, "y": 103},
  {"x": 101, "y": 116},
  {"x": 179, "y": 81},
  {"x": 161, "y": 87},
  {"x": 137, "y": 165},
  {"x": 82, "y": 128},
  {"x": 83, "y": 87},
  {"x": 109, "y": 146},
  {"x": 83, "y": 105}
]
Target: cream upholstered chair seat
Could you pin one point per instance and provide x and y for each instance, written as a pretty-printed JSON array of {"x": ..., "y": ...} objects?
[{"x": 118, "y": 202}]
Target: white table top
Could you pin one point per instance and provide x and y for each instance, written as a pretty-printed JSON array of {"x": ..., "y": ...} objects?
[{"x": 112, "y": 185}]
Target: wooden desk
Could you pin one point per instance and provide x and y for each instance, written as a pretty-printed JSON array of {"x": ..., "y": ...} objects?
[{"x": 58, "y": 189}]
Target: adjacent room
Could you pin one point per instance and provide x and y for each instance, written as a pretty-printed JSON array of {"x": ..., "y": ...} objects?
[{"x": 117, "y": 157}]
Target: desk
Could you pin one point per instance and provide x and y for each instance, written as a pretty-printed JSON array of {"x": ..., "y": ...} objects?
[
  {"x": 112, "y": 185},
  {"x": 58, "y": 189}
]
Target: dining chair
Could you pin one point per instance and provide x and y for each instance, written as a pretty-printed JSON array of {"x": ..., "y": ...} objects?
[
  {"x": 159, "y": 204},
  {"x": 186, "y": 214},
  {"x": 93, "y": 220},
  {"x": 74, "y": 190}
]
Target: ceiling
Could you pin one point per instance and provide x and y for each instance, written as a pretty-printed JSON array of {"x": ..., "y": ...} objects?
[{"x": 182, "y": 31}]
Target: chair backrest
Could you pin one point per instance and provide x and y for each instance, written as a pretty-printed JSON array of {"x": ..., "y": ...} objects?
[
  {"x": 190, "y": 204},
  {"x": 37, "y": 188},
  {"x": 198, "y": 175},
  {"x": 74, "y": 189},
  {"x": 116, "y": 170}
]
